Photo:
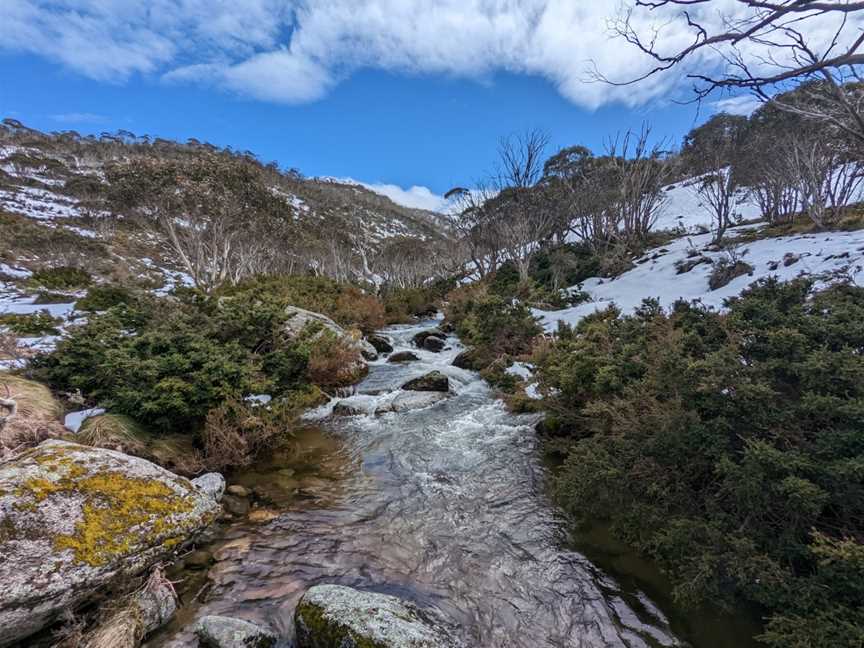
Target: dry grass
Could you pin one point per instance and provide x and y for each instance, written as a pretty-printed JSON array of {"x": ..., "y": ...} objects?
[{"x": 37, "y": 418}]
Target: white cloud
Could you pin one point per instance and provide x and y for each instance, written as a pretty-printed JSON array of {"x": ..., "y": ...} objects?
[
  {"x": 416, "y": 197},
  {"x": 79, "y": 118},
  {"x": 741, "y": 105},
  {"x": 296, "y": 50}
]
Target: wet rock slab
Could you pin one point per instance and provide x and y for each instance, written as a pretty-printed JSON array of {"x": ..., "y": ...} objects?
[{"x": 228, "y": 632}]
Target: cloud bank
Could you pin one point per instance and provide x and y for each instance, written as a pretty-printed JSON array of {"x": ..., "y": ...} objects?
[{"x": 296, "y": 51}]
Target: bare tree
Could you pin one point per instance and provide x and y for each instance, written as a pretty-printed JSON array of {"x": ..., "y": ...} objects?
[
  {"x": 475, "y": 228},
  {"x": 762, "y": 45},
  {"x": 826, "y": 178}
]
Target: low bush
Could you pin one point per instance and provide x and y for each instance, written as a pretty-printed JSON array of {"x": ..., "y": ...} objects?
[
  {"x": 725, "y": 270},
  {"x": 726, "y": 447},
  {"x": 30, "y": 324},
  {"x": 491, "y": 324},
  {"x": 62, "y": 278},
  {"x": 168, "y": 363},
  {"x": 103, "y": 297}
]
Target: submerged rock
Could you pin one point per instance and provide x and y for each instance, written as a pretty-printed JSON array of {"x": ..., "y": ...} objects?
[
  {"x": 74, "y": 519},
  {"x": 381, "y": 343},
  {"x": 228, "y": 632},
  {"x": 403, "y": 356},
  {"x": 332, "y": 616},
  {"x": 410, "y": 401},
  {"x": 346, "y": 408},
  {"x": 434, "y": 381}
]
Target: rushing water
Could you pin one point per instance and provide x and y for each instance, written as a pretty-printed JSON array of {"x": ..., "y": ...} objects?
[{"x": 444, "y": 506}]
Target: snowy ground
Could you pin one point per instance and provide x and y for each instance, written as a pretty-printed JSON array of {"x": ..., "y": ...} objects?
[{"x": 827, "y": 255}]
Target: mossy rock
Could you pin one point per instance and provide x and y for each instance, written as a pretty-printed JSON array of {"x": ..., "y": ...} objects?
[
  {"x": 76, "y": 519},
  {"x": 333, "y": 616}
]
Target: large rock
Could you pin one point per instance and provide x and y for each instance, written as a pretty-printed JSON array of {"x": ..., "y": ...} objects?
[
  {"x": 228, "y": 632},
  {"x": 434, "y": 381},
  {"x": 409, "y": 400},
  {"x": 420, "y": 339},
  {"x": 434, "y": 343},
  {"x": 74, "y": 519},
  {"x": 381, "y": 343},
  {"x": 403, "y": 356},
  {"x": 467, "y": 360},
  {"x": 332, "y": 616},
  {"x": 299, "y": 319}
]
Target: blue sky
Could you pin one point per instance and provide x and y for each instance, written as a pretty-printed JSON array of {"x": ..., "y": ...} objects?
[{"x": 403, "y": 92}]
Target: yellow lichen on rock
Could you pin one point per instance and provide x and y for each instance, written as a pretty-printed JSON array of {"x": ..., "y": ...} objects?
[{"x": 116, "y": 506}]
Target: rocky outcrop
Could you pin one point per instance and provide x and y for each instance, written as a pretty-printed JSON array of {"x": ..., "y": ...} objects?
[
  {"x": 299, "y": 319},
  {"x": 228, "y": 632},
  {"x": 74, "y": 519},
  {"x": 434, "y": 381},
  {"x": 332, "y": 616},
  {"x": 403, "y": 356},
  {"x": 381, "y": 343}
]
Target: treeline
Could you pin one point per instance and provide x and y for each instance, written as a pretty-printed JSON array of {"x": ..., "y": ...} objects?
[{"x": 784, "y": 157}]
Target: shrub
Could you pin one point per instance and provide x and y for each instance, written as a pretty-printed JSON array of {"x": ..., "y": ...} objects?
[
  {"x": 62, "y": 278},
  {"x": 491, "y": 324},
  {"x": 725, "y": 270},
  {"x": 103, "y": 297},
  {"x": 726, "y": 447},
  {"x": 31, "y": 324},
  {"x": 402, "y": 304},
  {"x": 332, "y": 362}
]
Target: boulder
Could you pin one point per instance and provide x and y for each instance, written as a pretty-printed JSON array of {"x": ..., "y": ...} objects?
[
  {"x": 420, "y": 338},
  {"x": 228, "y": 632},
  {"x": 76, "y": 519},
  {"x": 434, "y": 343},
  {"x": 332, "y": 616},
  {"x": 381, "y": 343},
  {"x": 466, "y": 360},
  {"x": 410, "y": 401},
  {"x": 236, "y": 506},
  {"x": 213, "y": 484},
  {"x": 299, "y": 319},
  {"x": 434, "y": 381},
  {"x": 403, "y": 356}
]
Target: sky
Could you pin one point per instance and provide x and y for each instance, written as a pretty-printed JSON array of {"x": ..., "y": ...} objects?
[{"x": 409, "y": 96}]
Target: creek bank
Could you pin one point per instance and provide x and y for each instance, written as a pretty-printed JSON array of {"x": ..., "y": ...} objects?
[
  {"x": 76, "y": 519},
  {"x": 333, "y": 616}
]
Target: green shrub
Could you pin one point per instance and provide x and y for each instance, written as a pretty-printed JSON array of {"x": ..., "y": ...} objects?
[
  {"x": 727, "y": 447},
  {"x": 401, "y": 304},
  {"x": 62, "y": 278},
  {"x": 103, "y": 297},
  {"x": 30, "y": 324},
  {"x": 491, "y": 324}
]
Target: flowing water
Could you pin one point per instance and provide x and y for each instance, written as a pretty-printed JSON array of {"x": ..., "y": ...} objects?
[{"x": 444, "y": 506}]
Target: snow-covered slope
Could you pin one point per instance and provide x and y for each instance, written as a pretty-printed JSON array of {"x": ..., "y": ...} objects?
[
  {"x": 827, "y": 256},
  {"x": 683, "y": 210}
]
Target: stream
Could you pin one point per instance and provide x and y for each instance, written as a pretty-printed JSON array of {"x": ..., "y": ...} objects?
[{"x": 444, "y": 506}]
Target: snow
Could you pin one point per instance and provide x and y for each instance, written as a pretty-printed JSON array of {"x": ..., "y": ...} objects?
[
  {"x": 39, "y": 203},
  {"x": 520, "y": 370},
  {"x": 75, "y": 420},
  {"x": 823, "y": 255},
  {"x": 258, "y": 399},
  {"x": 685, "y": 211},
  {"x": 16, "y": 273}
]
